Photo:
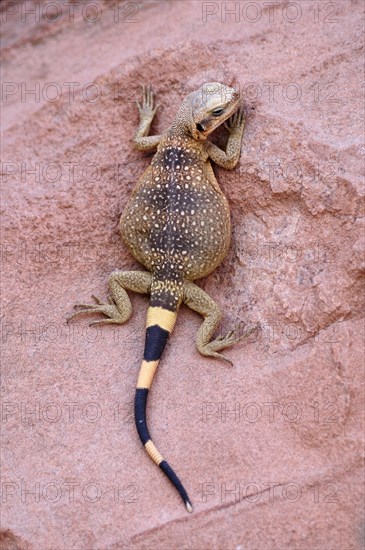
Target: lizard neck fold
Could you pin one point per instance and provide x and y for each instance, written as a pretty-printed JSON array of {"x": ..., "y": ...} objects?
[{"x": 183, "y": 128}]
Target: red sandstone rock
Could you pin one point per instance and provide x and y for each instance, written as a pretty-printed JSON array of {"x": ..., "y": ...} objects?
[{"x": 270, "y": 450}]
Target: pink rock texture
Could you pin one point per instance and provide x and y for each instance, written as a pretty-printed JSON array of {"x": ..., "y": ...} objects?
[{"x": 271, "y": 450}]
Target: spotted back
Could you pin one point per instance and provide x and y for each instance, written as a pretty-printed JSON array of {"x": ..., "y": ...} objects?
[{"x": 176, "y": 221}]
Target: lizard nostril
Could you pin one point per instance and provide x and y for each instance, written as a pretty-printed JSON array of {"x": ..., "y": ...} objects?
[{"x": 200, "y": 127}]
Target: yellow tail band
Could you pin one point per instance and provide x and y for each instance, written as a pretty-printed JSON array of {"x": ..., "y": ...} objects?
[
  {"x": 146, "y": 373},
  {"x": 153, "y": 452},
  {"x": 162, "y": 317}
]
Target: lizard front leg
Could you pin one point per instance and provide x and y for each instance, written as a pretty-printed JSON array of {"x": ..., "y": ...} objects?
[
  {"x": 228, "y": 159},
  {"x": 200, "y": 301},
  {"x": 119, "y": 308},
  {"x": 147, "y": 111}
]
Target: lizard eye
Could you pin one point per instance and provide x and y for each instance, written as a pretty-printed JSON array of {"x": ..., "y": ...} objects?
[{"x": 217, "y": 112}]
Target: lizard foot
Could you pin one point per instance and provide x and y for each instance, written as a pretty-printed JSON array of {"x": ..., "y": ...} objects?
[
  {"x": 236, "y": 121},
  {"x": 147, "y": 110},
  {"x": 221, "y": 342},
  {"x": 109, "y": 309}
]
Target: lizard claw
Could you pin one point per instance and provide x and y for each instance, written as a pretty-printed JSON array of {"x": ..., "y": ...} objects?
[
  {"x": 146, "y": 108},
  {"x": 209, "y": 352},
  {"x": 103, "y": 322},
  {"x": 212, "y": 348},
  {"x": 236, "y": 121},
  {"x": 109, "y": 309},
  {"x": 223, "y": 358}
]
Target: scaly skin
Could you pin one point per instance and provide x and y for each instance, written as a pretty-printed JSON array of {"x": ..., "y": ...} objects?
[{"x": 177, "y": 225}]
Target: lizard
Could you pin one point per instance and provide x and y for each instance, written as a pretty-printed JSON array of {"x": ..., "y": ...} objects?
[{"x": 177, "y": 225}]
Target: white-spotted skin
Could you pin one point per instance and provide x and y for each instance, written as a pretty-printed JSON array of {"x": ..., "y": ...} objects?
[{"x": 177, "y": 221}]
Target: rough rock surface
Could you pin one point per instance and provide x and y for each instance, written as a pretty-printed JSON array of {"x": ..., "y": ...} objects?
[{"x": 270, "y": 450}]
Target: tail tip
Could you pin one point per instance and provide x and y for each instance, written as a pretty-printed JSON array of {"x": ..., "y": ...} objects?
[{"x": 188, "y": 506}]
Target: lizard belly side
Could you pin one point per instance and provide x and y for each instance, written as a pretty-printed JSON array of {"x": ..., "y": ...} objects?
[{"x": 177, "y": 218}]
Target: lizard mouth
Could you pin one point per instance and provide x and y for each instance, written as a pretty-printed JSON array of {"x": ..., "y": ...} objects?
[{"x": 205, "y": 127}]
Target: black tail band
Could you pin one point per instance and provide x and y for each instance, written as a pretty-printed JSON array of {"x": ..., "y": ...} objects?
[
  {"x": 156, "y": 338},
  {"x": 140, "y": 403},
  {"x": 166, "y": 468}
]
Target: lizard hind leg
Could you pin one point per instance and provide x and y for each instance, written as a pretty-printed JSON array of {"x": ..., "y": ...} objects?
[
  {"x": 118, "y": 309},
  {"x": 200, "y": 301}
]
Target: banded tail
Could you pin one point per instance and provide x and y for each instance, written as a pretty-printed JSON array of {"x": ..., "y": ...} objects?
[{"x": 160, "y": 322}]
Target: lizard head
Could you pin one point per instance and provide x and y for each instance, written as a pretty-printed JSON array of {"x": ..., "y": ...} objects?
[{"x": 211, "y": 105}]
